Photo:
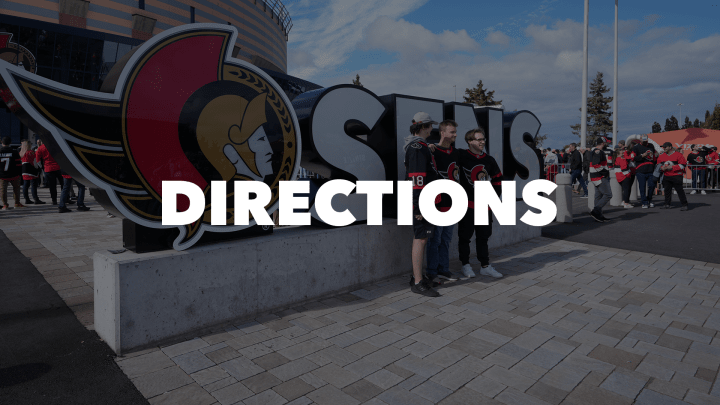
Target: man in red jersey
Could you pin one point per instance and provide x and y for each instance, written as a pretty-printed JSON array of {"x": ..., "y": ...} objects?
[
  {"x": 52, "y": 171},
  {"x": 672, "y": 164}
]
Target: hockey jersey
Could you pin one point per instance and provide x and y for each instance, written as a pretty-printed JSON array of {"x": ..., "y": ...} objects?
[
  {"x": 676, "y": 161},
  {"x": 598, "y": 167},
  {"x": 482, "y": 167},
  {"x": 696, "y": 159},
  {"x": 624, "y": 173},
  {"x": 645, "y": 157},
  {"x": 446, "y": 160},
  {"x": 421, "y": 169},
  {"x": 10, "y": 163}
]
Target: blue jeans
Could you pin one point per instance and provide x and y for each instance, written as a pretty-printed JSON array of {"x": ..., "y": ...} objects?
[
  {"x": 698, "y": 173},
  {"x": 646, "y": 181},
  {"x": 438, "y": 253},
  {"x": 67, "y": 184},
  {"x": 577, "y": 174}
]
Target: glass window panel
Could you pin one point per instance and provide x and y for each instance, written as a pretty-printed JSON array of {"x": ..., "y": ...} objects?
[
  {"x": 78, "y": 54},
  {"x": 45, "y": 48},
  {"x": 110, "y": 52},
  {"x": 122, "y": 50}
]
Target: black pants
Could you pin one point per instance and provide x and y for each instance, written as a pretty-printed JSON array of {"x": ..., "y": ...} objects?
[
  {"x": 626, "y": 187},
  {"x": 33, "y": 187},
  {"x": 674, "y": 182},
  {"x": 53, "y": 179},
  {"x": 466, "y": 228}
]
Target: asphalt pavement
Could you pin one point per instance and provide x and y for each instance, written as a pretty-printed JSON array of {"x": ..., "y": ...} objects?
[
  {"x": 692, "y": 234},
  {"x": 46, "y": 355}
]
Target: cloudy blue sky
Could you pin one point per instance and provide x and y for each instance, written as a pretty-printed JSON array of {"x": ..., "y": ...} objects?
[{"x": 528, "y": 51}]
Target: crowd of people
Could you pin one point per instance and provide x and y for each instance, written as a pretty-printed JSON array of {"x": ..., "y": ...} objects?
[
  {"x": 425, "y": 163},
  {"x": 30, "y": 166}
]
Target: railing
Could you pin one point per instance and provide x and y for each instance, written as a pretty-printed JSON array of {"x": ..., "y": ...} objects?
[
  {"x": 552, "y": 170},
  {"x": 702, "y": 177},
  {"x": 277, "y": 8}
]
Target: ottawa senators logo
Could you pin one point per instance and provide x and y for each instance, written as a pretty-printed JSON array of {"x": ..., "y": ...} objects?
[
  {"x": 16, "y": 54},
  {"x": 451, "y": 173},
  {"x": 477, "y": 173},
  {"x": 180, "y": 108}
]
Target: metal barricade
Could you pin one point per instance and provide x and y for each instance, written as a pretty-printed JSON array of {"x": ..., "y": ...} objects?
[
  {"x": 702, "y": 177},
  {"x": 553, "y": 170}
]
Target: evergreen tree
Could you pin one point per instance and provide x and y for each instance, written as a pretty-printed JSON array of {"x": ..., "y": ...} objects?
[
  {"x": 539, "y": 139},
  {"x": 478, "y": 96},
  {"x": 656, "y": 128},
  {"x": 696, "y": 124},
  {"x": 671, "y": 124},
  {"x": 713, "y": 120},
  {"x": 356, "y": 81},
  {"x": 707, "y": 115},
  {"x": 598, "y": 114},
  {"x": 687, "y": 124}
]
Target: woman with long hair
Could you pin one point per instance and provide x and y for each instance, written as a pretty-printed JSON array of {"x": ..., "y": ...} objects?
[
  {"x": 624, "y": 177},
  {"x": 29, "y": 172}
]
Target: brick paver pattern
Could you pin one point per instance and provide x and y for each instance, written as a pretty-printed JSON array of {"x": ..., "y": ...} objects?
[{"x": 569, "y": 324}]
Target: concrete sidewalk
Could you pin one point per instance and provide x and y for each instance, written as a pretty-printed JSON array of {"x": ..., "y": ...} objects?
[{"x": 570, "y": 323}]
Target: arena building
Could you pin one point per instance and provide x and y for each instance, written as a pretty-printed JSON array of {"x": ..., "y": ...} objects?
[{"x": 77, "y": 42}]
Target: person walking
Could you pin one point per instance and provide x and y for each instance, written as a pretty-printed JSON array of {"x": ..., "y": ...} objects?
[
  {"x": 30, "y": 171},
  {"x": 52, "y": 171},
  {"x": 10, "y": 172},
  {"x": 600, "y": 177},
  {"x": 672, "y": 164},
  {"x": 623, "y": 176},
  {"x": 576, "y": 164}
]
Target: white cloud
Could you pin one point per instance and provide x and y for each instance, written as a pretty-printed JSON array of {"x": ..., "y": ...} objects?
[
  {"x": 497, "y": 38},
  {"x": 413, "y": 41},
  {"x": 660, "y": 67},
  {"x": 336, "y": 28}
]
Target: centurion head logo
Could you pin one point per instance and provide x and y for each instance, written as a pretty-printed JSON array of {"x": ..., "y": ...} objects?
[{"x": 178, "y": 107}]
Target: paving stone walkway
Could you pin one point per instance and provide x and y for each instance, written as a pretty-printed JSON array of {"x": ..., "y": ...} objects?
[{"x": 570, "y": 323}]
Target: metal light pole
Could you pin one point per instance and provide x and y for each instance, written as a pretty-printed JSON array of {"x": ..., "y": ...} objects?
[
  {"x": 583, "y": 105},
  {"x": 615, "y": 92},
  {"x": 680, "y": 118},
  {"x": 455, "y": 87}
]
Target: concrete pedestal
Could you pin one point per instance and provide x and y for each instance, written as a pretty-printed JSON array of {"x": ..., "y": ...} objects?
[
  {"x": 616, "y": 189},
  {"x": 149, "y": 298},
  {"x": 563, "y": 198},
  {"x": 634, "y": 190}
]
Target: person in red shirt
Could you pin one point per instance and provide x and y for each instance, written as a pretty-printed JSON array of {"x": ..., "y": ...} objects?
[
  {"x": 10, "y": 170},
  {"x": 624, "y": 176},
  {"x": 672, "y": 165},
  {"x": 52, "y": 171},
  {"x": 29, "y": 173},
  {"x": 713, "y": 159}
]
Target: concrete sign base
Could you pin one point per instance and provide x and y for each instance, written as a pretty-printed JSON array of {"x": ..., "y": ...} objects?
[{"x": 146, "y": 299}]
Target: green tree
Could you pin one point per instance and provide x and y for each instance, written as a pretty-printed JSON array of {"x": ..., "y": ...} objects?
[
  {"x": 687, "y": 124},
  {"x": 356, "y": 81},
  {"x": 598, "y": 111},
  {"x": 656, "y": 128},
  {"x": 713, "y": 120},
  {"x": 696, "y": 124},
  {"x": 707, "y": 115},
  {"x": 671, "y": 124},
  {"x": 480, "y": 96}
]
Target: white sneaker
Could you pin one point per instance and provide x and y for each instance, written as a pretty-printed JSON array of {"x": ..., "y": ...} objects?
[
  {"x": 467, "y": 271},
  {"x": 652, "y": 205},
  {"x": 626, "y": 205},
  {"x": 490, "y": 271},
  {"x": 693, "y": 192},
  {"x": 703, "y": 192}
]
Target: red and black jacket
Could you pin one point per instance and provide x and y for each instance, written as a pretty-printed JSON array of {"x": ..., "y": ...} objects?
[
  {"x": 598, "y": 167},
  {"x": 10, "y": 164},
  {"x": 625, "y": 171},
  {"x": 713, "y": 158},
  {"x": 446, "y": 160},
  {"x": 474, "y": 168},
  {"x": 678, "y": 163},
  {"x": 696, "y": 159},
  {"x": 29, "y": 171},
  {"x": 421, "y": 169},
  {"x": 644, "y": 164}
]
